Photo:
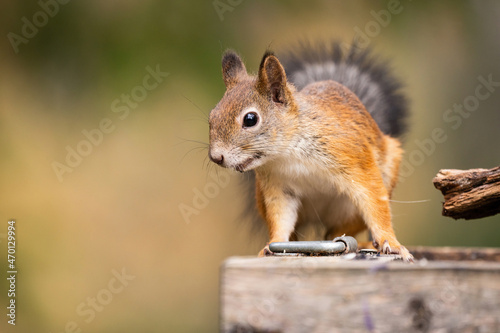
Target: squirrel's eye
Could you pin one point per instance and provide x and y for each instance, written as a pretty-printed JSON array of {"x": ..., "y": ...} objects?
[{"x": 250, "y": 119}]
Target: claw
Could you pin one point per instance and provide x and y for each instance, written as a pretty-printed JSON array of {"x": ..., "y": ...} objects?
[
  {"x": 406, "y": 255},
  {"x": 395, "y": 249},
  {"x": 386, "y": 248}
]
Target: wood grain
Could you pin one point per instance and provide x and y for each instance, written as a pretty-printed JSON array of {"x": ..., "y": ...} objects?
[{"x": 332, "y": 294}]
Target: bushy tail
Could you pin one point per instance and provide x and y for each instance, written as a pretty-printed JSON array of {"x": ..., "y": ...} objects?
[{"x": 358, "y": 70}]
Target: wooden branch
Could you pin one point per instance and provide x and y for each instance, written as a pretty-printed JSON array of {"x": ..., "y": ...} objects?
[{"x": 469, "y": 194}]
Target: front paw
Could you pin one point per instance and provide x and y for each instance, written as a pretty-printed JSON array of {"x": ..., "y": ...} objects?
[
  {"x": 394, "y": 248},
  {"x": 265, "y": 251}
]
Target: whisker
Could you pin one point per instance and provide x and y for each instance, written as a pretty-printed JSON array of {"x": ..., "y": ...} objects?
[
  {"x": 192, "y": 141},
  {"x": 206, "y": 163},
  {"x": 196, "y": 106},
  {"x": 315, "y": 211},
  {"x": 191, "y": 150},
  {"x": 300, "y": 234},
  {"x": 415, "y": 201},
  {"x": 217, "y": 173}
]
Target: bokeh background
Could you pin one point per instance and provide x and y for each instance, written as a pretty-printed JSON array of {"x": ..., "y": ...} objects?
[{"x": 119, "y": 209}]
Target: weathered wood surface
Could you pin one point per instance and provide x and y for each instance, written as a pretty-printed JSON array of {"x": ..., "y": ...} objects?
[
  {"x": 456, "y": 253},
  {"x": 469, "y": 194},
  {"x": 331, "y": 294}
]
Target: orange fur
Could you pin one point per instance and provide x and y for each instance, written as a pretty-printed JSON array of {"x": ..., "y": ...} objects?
[{"x": 318, "y": 144}]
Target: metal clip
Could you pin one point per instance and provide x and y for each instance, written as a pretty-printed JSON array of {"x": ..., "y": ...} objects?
[{"x": 340, "y": 245}]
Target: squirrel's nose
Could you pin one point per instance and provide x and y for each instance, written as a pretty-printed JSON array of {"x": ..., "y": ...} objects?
[{"x": 218, "y": 159}]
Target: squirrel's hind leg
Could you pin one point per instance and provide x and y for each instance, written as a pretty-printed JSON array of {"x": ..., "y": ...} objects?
[{"x": 377, "y": 215}]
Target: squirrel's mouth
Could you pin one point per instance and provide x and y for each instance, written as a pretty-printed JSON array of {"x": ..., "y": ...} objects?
[{"x": 244, "y": 166}]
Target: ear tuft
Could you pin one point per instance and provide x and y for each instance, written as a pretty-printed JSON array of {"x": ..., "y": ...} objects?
[
  {"x": 272, "y": 78},
  {"x": 266, "y": 55},
  {"x": 233, "y": 69}
]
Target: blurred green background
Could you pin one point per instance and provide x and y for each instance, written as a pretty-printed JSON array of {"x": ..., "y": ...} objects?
[{"x": 119, "y": 208}]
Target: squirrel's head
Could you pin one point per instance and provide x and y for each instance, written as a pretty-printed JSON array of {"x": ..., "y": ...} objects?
[{"x": 250, "y": 124}]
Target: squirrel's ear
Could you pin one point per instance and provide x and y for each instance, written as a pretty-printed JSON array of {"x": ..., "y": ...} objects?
[
  {"x": 272, "y": 79},
  {"x": 233, "y": 69}
]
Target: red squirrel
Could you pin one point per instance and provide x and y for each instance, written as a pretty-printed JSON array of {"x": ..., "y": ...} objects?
[{"x": 319, "y": 133}]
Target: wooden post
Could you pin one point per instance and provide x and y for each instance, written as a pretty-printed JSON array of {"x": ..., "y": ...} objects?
[
  {"x": 469, "y": 194},
  {"x": 334, "y": 294}
]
